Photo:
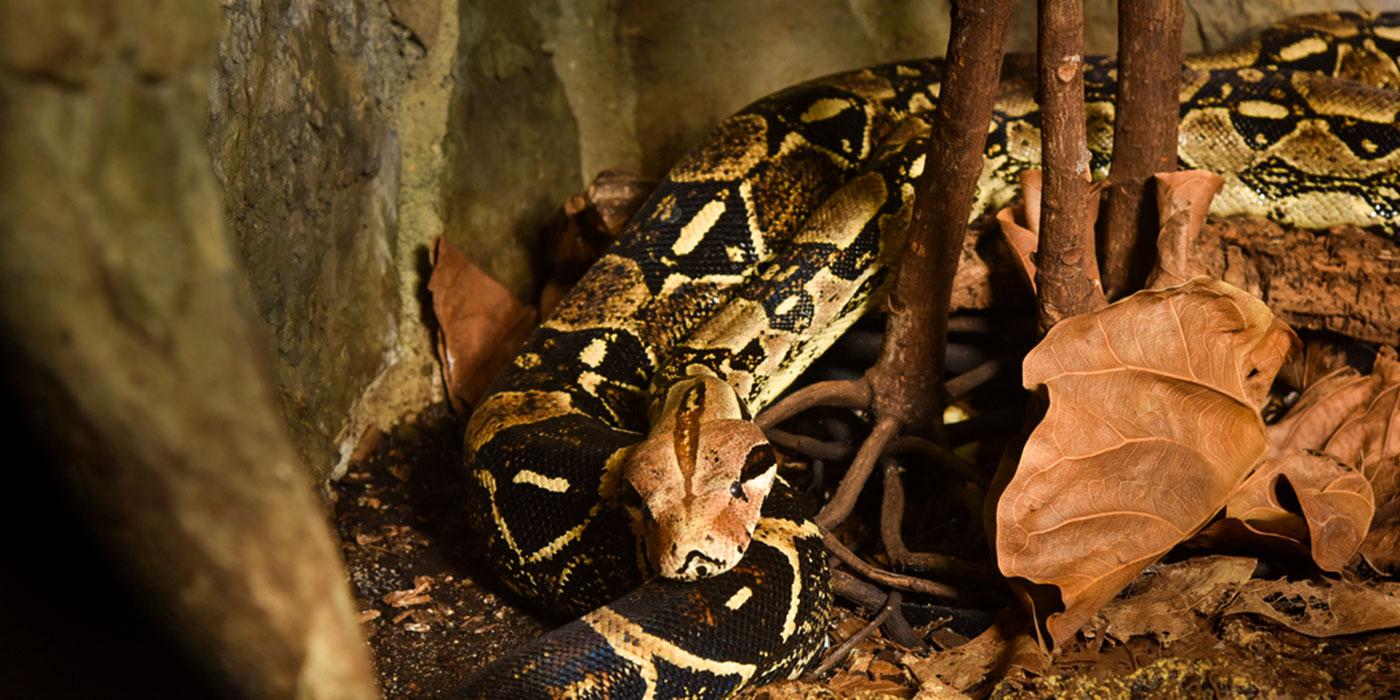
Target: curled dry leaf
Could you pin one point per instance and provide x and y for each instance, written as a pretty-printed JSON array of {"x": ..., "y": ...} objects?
[
  {"x": 1306, "y": 501},
  {"x": 1382, "y": 546},
  {"x": 1183, "y": 198},
  {"x": 1152, "y": 424},
  {"x": 1356, "y": 418},
  {"x": 1321, "y": 609},
  {"x": 1020, "y": 225},
  {"x": 480, "y": 323}
]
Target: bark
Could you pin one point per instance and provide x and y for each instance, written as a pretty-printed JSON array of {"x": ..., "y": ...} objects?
[
  {"x": 1144, "y": 134},
  {"x": 134, "y": 345},
  {"x": 1066, "y": 267}
]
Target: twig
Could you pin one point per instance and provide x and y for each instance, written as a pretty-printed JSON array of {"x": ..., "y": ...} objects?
[
  {"x": 853, "y": 393},
  {"x": 870, "y": 597},
  {"x": 1144, "y": 133},
  {"x": 844, "y": 500},
  {"x": 959, "y": 386},
  {"x": 891, "y": 523},
  {"x": 840, "y": 652},
  {"x": 810, "y": 446},
  {"x": 888, "y": 578}
]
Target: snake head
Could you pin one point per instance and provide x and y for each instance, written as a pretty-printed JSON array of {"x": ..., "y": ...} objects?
[{"x": 702, "y": 475}]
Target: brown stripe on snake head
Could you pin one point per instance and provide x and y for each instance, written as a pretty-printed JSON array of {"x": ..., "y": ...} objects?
[{"x": 686, "y": 432}]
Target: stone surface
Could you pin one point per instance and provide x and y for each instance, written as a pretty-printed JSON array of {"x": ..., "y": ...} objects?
[{"x": 129, "y": 331}]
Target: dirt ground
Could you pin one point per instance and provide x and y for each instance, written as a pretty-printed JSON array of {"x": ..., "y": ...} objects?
[{"x": 433, "y": 616}]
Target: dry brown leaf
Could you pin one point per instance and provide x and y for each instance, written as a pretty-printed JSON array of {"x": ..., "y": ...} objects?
[
  {"x": 1372, "y": 436},
  {"x": 1006, "y": 644},
  {"x": 1333, "y": 511},
  {"x": 1320, "y": 357},
  {"x": 1382, "y": 546},
  {"x": 1152, "y": 424},
  {"x": 1020, "y": 224},
  {"x": 1183, "y": 198},
  {"x": 1162, "y": 607},
  {"x": 1320, "y": 410},
  {"x": 1320, "y": 609},
  {"x": 480, "y": 323},
  {"x": 590, "y": 222}
]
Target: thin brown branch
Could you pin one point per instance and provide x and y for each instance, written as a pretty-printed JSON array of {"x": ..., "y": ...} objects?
[
  {"x": 870, "y": 597},
  {"x": 941, "y": 455},
  {"x": 1144, "y": 134},
  {"x": 844, "y": 500},
  {"x": 964, "y": 383},
  {"x": 891, "y": 524},
  {"x": 906, "y": 379},
  {"x": 888, "y": 578},
  {"x": 810, "y": 446},
  {"x": 840, "y": 652},
  {"x": 1066, "y": 267},
  {"x": 853, "y": 393}
]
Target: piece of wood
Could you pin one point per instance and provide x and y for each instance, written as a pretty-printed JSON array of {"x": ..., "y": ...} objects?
[
  {"x": 1144, "y": 134},
  {"x": 1067, "y": 279}
]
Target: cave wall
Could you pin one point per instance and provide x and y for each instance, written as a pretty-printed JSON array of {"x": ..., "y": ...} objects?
[{"x": 348, "y": 134}]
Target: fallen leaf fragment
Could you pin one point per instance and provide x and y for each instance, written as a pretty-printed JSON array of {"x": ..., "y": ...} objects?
[
  {"x": 1162, "y": 608},
  {"x": 1334, "y": 507},
  {"x": 1020, "y": 225},
  {"x": 480, "y": 323},
  {"x": 412, "y": 596},
  {"x": 1152, "y": 423},
  {"x": 1372, "y": 435},
  {"x": 1006, "y": 645},
  {"x": 367, "y": 616},
  {"x": 1381, "y": 549},
  {"x": 1321, "y": 609},
  {"x": 1183, "y": 198}
]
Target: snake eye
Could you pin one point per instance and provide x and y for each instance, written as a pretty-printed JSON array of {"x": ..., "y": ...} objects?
[{"x": 736, "y": 490}]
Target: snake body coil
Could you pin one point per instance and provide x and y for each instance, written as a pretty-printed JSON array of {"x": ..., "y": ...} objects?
[{"x": 756, "y": 251}]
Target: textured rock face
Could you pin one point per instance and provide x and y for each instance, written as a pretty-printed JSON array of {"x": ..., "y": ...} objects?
[
  {"x": 305, "y": 129},
  {"x": 140, "y": 362}
]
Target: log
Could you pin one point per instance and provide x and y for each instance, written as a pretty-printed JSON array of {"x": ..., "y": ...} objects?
[{"x": 129, "y": 332}]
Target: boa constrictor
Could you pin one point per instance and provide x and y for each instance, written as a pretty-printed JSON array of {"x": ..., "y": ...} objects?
[{"x": 618, "y": 446}]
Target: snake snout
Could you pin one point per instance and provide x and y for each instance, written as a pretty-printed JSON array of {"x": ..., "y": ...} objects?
[{"x": 698, "y": 565}]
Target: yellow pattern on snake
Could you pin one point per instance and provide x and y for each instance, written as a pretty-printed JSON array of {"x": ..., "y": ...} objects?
[{"x": 617, "y": 445}]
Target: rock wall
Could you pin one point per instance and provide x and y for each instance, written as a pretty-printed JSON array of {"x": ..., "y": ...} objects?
[{"x": 350, "y": 133}]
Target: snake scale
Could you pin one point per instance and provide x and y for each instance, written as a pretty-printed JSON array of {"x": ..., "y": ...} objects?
[{"x": 618, "y": 445}]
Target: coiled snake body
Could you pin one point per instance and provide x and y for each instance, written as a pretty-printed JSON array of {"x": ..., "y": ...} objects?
[{"x": 757, "y": 250}]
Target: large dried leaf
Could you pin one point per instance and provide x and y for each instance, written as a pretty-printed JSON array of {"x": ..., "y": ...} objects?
[
  {"x": 1152, "y": 424},
  {"x": 1307, "y": 501},
  {"x": 1321, "y": 609},
  {"x": 480, "y": 323}
]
